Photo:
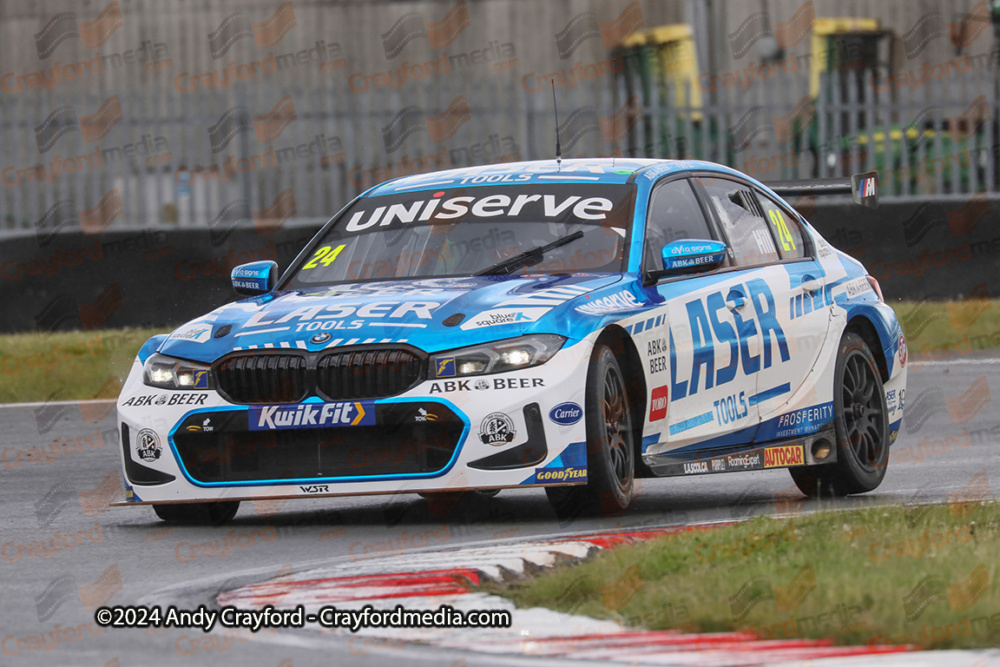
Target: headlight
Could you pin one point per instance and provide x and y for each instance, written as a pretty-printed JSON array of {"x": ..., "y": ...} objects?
[
  {"x": 169, "y": 373},
  {"x": 506, "y": 355}
]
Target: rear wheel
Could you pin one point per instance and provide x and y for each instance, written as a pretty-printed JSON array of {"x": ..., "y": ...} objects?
[
  {"x": 610, "y": 445},
  {"x": 862, "y": 427},
  {"x": 214, "y": 514}
]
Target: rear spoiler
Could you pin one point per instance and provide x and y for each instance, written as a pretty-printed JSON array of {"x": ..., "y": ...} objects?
[{"x": 863, "y": 188}]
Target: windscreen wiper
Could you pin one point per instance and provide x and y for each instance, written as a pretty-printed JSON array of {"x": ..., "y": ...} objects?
[{"x": 522, "y": 258}]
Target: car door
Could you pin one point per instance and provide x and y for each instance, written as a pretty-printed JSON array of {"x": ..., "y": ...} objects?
[
  {"x": 697, "y": 394},
  {"x": 804, "y": 312},
  {"x": 732, "y": 313},
  {"x": 768, "y": 244}
]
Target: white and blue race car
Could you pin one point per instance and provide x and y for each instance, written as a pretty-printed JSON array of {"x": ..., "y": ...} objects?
[{"x": 566, "y": 324}]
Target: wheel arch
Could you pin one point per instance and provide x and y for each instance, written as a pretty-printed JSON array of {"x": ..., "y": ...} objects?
[
  {"x": 862, "y": 326},
  {"x": 625, "y": 351}
]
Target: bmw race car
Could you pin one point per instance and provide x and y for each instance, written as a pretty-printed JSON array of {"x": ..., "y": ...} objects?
[{"x": 571, "y": 325}]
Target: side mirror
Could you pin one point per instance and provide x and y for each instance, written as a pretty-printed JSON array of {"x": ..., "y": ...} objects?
[
  {"x": 255, "y": 278},
  {"x": 690, "y": 255}
]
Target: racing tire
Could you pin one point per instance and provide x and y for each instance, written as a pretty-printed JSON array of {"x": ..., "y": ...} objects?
[
  {"x": 862, "y": 426},
  {"x": 610, "y": 487},
  {"x": 214, "y": 514}
]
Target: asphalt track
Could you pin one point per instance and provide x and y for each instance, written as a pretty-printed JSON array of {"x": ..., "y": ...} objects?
[{"x": 948, "y": 450}]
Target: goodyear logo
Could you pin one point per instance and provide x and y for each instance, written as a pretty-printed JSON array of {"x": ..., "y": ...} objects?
[
  {"x": 567, "y": 474},
  {"x": 787, "y": 455},
  {"x": 312, "y": 415},
  {"x": 445, "y": 367},
  {"x": 201, "y": 379}
]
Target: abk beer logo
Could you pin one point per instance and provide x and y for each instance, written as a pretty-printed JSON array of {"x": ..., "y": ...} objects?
[
  {"x": 497, "y": 429},
  {"x": 147, "y": 445}
]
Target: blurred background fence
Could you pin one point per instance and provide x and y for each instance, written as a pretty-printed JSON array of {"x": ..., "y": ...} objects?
[{"x": 219, "y": 115}]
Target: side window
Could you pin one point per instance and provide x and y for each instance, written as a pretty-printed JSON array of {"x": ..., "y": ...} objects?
[
  {"x": 786, "y": 229},
  {"x": 742, "y": 221},
  {"x": 673, "y": 214}
]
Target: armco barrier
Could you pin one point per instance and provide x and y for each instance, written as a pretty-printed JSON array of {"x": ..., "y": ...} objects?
[
  {"x": 935, "y": 250},
  {"x": 135, "y": 278}
]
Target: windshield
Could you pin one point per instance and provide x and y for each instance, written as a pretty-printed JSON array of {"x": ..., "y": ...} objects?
[{"x": 511, "y": 229}]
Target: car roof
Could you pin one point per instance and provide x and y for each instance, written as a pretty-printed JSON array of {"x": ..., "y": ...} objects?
[{"x": 572, "y": 170}]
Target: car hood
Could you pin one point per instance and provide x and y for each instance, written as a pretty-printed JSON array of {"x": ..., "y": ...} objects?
[{"x": 433, "y": 315}]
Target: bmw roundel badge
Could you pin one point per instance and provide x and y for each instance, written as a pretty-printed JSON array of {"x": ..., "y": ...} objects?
[{"x": 320, "y": 338}]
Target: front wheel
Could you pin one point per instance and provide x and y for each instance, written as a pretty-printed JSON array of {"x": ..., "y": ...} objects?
[
  {"x": 862, "y": 427},
  {"x": 610, "y": 445},
  {"x": 214, "y": 514}
]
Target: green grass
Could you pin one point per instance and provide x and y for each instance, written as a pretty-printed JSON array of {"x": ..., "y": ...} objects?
[
  {"x": 37, "y": 366},
  {"x": 939, "y": 329},
  {"x": 824, "y": 575},
  {"x": 67, "y": 365}
]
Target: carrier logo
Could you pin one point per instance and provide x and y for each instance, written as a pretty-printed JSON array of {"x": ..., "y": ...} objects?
[
  {"x": 566, "y": 414},
  {"x": 312, "y": 415},
  {"x": 567, "y": 474},
  {"x": 789, "y": 455}
]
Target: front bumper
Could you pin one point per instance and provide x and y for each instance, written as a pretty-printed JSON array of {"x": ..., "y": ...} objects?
[{"x": 485, "y": 432}]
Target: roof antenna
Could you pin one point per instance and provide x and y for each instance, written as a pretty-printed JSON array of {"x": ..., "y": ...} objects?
[
  {"x": 555, "y": 110},
  {"x": 614, "y": 119}
]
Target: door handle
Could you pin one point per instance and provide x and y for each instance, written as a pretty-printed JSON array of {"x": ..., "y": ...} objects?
[
  {"x": 811, "y": 284},
  {"x": 735, "y": 300}
]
